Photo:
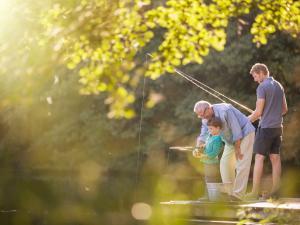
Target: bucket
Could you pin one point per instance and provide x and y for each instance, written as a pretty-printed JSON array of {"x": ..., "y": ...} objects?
[{"x": 215, "y": 190}]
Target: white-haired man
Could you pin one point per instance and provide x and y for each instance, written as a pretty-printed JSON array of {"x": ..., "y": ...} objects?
[{"x": 238, "y": 134}]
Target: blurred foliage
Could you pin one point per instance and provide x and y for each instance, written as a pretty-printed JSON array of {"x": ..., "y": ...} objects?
[
  {"x": 100, "y": 39},
  {"x": 63, "y": 160},
  {"x": 103, "y": 41},
  {"x": 267, "y": 215}
]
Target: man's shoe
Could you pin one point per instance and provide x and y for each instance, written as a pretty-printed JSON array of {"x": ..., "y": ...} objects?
[
  {"x": 225, "y": 197},
  {"x": 251, "y": 196},
  {"x": 267, "y": 196},
  {"x": 203, "y": 198},
  {"x": 234, "y": 198}
]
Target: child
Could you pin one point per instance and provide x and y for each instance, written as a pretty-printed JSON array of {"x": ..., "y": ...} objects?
[{"x": 209, "y": 157}]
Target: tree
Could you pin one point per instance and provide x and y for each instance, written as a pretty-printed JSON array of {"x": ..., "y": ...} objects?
[{"x": 103, "y": 40}]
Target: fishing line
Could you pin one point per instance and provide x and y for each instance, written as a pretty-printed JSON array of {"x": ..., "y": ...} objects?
[
  {"x": 140, "y": 130},
  {"x": 206, "y": 88},
  {"x": 188, "y": 77},
  {"x": 181, "y": 74}
]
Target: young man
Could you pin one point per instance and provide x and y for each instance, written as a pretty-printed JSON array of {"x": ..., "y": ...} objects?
[
  {"x": 238, "y": 135},
  {"x": 270, "y": 107}
]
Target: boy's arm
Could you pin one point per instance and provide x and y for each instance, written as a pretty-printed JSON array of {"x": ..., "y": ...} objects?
[{"x": 214, "y": 148}]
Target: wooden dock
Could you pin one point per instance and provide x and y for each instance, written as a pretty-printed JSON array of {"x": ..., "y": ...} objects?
[{"x": 281, "y": 211}]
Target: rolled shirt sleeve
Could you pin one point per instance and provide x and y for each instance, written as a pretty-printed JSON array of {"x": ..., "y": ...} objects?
[
  {"x": 260, "y": 92},
  {"x": 234, "y": 124},
  {"x": 204, "y": 132}
]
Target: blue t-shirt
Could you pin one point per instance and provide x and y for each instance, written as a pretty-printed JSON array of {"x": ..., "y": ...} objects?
[
  {"x": 272, "y": 92},
  {"x": 212, "y": 149}
]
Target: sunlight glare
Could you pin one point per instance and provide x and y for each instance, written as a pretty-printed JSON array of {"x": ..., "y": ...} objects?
[
  {"x": 5, "y": 7},
  {"x": 4, "y": 4}
]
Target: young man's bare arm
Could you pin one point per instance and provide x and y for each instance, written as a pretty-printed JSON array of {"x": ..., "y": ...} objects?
[
  {"x": 260, "y": 103},
  {"x": 284, "y": 106}
]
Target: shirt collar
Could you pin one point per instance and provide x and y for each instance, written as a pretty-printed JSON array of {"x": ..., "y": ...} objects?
[{"x": 270, "y": 78}]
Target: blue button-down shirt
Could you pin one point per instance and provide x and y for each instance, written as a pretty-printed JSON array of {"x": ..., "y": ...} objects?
[{"x": 235, "y": 124}]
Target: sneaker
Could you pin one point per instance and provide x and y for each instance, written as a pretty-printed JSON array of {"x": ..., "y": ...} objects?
[
  {"x": 203, "y": 198},
  {"x": 269, "y": 196},
  {"x": 225, "y": 197},
  {"x": 251, "y": 196},
  {"x": 234, "y": 198}
]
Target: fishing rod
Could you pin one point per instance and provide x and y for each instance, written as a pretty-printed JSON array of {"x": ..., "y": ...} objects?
[
  {"x": 195, "y": 83},
  {"x": 208, "y": 89},
  {"x": 182, "y": 148},
  {"x": 193, "y": 80}
]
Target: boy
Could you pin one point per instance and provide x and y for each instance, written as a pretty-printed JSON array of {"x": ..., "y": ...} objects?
[{"x": 209, "y": 157}]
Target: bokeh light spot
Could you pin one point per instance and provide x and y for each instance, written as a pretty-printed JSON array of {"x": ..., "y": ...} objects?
[{"x": 141, "y": 211}]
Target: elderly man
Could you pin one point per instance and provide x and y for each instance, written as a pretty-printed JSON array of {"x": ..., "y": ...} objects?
[{"x": 238, "y": 134}]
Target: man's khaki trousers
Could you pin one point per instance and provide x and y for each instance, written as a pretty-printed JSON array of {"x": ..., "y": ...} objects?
[{"x": 237, "y": 171}]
